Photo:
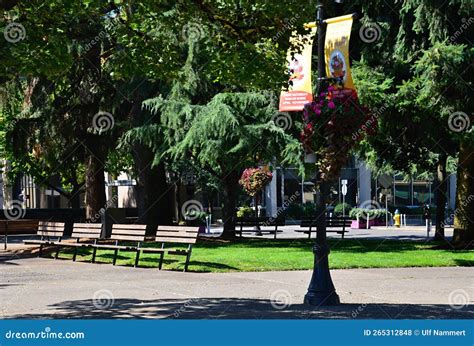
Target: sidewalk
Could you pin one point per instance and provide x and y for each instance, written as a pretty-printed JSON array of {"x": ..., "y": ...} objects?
[{"x": 45, "y": 288}]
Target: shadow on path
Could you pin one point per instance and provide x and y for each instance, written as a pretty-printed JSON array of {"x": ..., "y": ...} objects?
[{"x": 234, "y": 308}]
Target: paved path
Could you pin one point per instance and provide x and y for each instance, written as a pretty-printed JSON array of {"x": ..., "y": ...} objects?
[
  {"x": 45, "y": 288},
  {"x": 395, "y": 233}
]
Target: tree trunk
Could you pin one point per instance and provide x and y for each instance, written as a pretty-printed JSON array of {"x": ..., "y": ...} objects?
[
  {"x": 230, "y": 188},
  {"x": 441, "y": 198},
  {"x": 153, "y": 193},
  {"x": 89, "y": 72},
  {"x": 464, "y": 214},
  {"x": 75, "y": 197},
  {"x": 95, "y": 177}
]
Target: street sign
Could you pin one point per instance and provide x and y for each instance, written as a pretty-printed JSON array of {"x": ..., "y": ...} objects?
[
  {"x": 344, "y": 190},
  {"x": 385, "y": 181},
  {"x": 344, "y": 187}
]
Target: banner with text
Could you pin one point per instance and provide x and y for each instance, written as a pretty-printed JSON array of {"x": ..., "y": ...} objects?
[
  {"x": 336, "y": 50},
  {"x": 300, "y": 90}
]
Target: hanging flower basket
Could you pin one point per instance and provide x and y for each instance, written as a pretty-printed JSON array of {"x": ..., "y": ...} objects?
[
  {"x": 254, "y": 179},
  {"x": 334, "y": 123}
]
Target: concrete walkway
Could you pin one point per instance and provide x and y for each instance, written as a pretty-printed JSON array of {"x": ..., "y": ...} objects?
[{"x": 45, "y": 288}]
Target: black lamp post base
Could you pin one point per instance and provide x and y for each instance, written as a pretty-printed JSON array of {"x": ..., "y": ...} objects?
[
  {"x": 321, "y": 290},
  {"x": 321, "y": 298}
]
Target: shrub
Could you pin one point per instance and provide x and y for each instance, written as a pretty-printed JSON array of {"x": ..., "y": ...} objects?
[
  {"x": 362, "y": 213},
  {"x": 294, "y": 211},
  {"x": 309, "y": 210},
  {"x": 245, "y": 211},
  {"x": 194, "y": 217},
  {"x": 339, "y": 207}
]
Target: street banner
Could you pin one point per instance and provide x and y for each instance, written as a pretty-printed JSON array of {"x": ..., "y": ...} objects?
[
  {"x": 336, "y": 50},
  {"x": 300, "y": 90}
]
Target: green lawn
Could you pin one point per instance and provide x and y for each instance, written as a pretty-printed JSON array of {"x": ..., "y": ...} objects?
[{"x": 266, "y": 255}]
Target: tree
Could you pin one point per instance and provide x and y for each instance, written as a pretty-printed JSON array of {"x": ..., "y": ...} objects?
[{"x": 424, "y": 59}]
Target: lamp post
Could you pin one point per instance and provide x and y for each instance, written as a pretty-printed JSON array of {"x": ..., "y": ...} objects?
[{"x": 321, "y": 290}]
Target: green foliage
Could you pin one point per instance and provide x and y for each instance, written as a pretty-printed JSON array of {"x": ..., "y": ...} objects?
[
  {"x": 300, "y": 211},
  {"x": 196, "y": 216},
  {"x": 372, "y": 214},
  {"x": 245, "y": 211},
  {"x": 339, "y": 208}
]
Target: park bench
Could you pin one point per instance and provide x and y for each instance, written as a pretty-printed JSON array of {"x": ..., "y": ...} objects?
[
  {"x": 90, "y": 232},
  {"x": 21, "y": 226},
  {"x": 260, "y": 222},
  {"x": 173, "y": 235},
  {"x": 123, "y": 233},
  {"x": 331, "y": 222},
  {"x": 47, "y": 231}
]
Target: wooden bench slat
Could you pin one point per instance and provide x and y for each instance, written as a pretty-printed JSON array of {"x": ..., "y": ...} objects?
[
  {"x": 190, "y": 229},
  {"x": 87, "y": 225},
  {"x": 58, "y": 229},
  {"x": 175, "y": 240},
  {"x": 90, "y": 231},
  {"x": 50, "y": 224},
  {"x": 50, "y": 233},
  {"x": 128, "y": 232},
  {"x": 125, "y": 226},
  {"x": 176, "y": 234},
  {"x": 85, "y": 235},
  {"x": 128, "y": 237}
]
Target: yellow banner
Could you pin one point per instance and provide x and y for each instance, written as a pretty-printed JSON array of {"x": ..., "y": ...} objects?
[
  {"x": 336, "y": 50},
  {"x": 300, "y": 89}
]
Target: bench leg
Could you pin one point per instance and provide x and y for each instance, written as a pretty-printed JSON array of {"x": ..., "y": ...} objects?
[
  {"x": 94, "y": 252},
  {"x": 276, "y": 231},
  {"x": 137, "y": 257},
  {"x": 343, "y": 234},
  {"x": 74, "y": 255},
  {"x": 40, "y": 250},
  {"x": 160, "y": 265},
  {"x": 188, "y": 256},
  {"x": 57, "y": 252},
  {"x": 115, "y": 257}
]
